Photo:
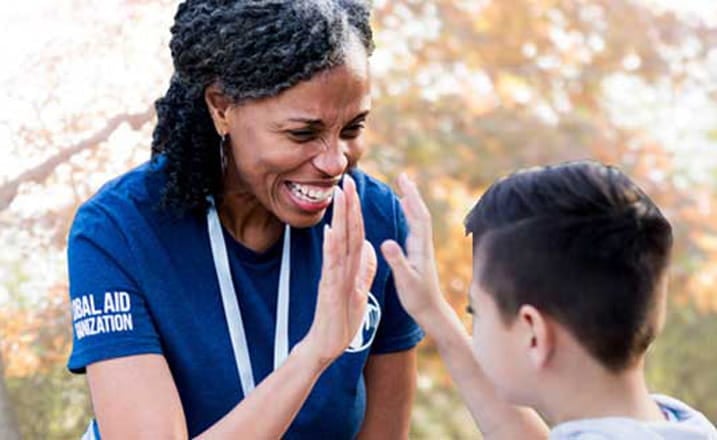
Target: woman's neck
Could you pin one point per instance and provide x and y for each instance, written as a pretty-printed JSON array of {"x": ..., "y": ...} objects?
[{"x": 246, "y": 219}]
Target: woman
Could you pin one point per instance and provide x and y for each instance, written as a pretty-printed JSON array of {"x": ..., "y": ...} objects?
[{"x": 210, "y": 297}]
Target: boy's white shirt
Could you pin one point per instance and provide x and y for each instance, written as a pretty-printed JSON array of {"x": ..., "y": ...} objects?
[{"x": 684, "y": 423}]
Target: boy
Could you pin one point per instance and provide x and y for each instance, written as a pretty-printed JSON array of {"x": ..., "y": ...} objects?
[{"x": 568, "y": 292}]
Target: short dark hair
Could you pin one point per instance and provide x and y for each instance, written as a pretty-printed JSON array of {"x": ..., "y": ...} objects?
[
  {"x": 580, "y": 242},
  {"x": 251, "y": 49}
]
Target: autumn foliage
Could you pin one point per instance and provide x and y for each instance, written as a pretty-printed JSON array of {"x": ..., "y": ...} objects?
[{"x": 464, "y": 92}]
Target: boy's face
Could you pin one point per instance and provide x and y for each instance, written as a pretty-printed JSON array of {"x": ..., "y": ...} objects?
[{"x": 499, "y": 347}]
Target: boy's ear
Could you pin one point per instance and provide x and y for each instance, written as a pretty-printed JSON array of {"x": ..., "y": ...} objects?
[
  {"x": 218, "y": 105},
  {"x": 538, "y": 333}
]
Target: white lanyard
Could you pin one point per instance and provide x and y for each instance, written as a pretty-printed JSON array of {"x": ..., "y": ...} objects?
[{"x": 231, "y": 304}]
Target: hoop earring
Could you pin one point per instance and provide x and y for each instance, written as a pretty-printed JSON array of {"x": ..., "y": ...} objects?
[{"x": 222, "y": 153}]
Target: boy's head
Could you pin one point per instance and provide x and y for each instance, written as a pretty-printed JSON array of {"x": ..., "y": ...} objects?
[{"x": 576, "y": 247}]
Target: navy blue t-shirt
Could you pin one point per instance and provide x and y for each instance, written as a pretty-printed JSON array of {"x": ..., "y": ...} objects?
[{"x": 142, "y": 280}]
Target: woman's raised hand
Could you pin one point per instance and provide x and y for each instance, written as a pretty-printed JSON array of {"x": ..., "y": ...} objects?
[
  {"x": 415, "y": 274},
  {"x": 349, "y": 267}
]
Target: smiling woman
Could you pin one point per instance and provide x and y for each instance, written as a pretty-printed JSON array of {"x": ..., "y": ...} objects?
[
  {"x": 290, "y": 150},
  {"x": 252, "y": 301}
]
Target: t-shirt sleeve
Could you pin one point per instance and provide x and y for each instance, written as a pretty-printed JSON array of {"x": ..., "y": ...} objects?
[
  {"x": 110, "y": 318},
  {"x": 397, "y": 330}
]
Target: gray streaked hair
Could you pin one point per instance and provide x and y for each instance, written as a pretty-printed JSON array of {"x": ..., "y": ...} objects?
[{"x": 251, "y": 49}]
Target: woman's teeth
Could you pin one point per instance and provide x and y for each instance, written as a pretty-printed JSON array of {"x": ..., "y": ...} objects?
[{"x": 311, "y": 193}]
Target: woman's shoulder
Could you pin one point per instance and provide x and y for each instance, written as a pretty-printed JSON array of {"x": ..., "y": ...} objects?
[
  {"x": 371, "y": 189},
  {"x": 380, "y": 206},
  {"x": 143, "y": 183},
  {"x": 136, "y": 192}
]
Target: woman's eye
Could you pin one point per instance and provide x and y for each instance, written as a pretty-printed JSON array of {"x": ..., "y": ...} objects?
[
  {"x": 352, "y": 131},
  {"x": 302, "y": 135}
]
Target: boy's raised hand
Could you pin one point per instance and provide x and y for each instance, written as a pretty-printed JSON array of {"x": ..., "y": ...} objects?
[
  {"x": 415, "y": 274},
  {"x": 416, "y": 280}
]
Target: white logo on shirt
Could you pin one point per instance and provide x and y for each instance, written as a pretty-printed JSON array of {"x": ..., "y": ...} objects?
[
  {"x": 115, "y": 314},
  {"x": 367, "y": 331}
]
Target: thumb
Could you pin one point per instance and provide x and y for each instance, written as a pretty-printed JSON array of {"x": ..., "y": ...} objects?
[
  {"x": 402, "y": 269},
  {"x": 367, "y": 271}
]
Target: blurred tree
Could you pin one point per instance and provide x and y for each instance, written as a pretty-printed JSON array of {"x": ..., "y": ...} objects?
[
  {"x": 40, "y": 173},
  {"x": 679, "y": 361},
  {"x": 489, "y": 86},
  {"x": 9, "y": 428},
  {"x": 72, "y": 95},
  {"x": 466, "y": 91}
]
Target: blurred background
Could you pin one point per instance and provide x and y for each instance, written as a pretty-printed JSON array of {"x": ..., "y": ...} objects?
[{"x": 465, "y": 91}]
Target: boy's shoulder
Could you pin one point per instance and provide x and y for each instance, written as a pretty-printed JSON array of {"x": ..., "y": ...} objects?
[{"x": 681, "y": 423}]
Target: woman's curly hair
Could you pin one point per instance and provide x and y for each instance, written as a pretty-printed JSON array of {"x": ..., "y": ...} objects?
[{"x": 251, "y": 49}]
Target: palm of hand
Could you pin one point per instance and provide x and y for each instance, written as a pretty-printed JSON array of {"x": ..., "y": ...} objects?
[
  {"x": 415, "y": 273},
  {"x": 347, "y": 274}
]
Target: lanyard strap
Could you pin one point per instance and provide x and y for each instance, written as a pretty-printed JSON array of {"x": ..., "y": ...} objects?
[{"x": 232, "y": 313}]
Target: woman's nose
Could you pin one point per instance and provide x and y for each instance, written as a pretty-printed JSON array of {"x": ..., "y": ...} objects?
[{"x": 333, "y": 160}]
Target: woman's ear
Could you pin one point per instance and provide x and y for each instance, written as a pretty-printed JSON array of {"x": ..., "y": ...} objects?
[
  {"x": 218, "y": 105},
  {"x": 538, "y": 333}
]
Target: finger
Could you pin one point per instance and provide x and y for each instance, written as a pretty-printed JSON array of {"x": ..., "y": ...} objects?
[
  {"x": 418, "y": 221},
  {"x": 403, "y": 273},
  {"x": 356, "y": 216},
  {"x": 328, "y": 248},
  {"x": 354, "y": 230},
  {"x": 419, "y": 229},
  {"x": 357, "y": 308},
  {"x": 420, "y": 242},
  {"x": 330, "y": 263},
  {"x": 367, "y": 272},
  {"x": 338, "y": 221},
  {"x": 414, "y": 202}
]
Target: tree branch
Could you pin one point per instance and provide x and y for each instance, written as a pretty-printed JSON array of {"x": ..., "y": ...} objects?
[{"x": 39, "y": 173}]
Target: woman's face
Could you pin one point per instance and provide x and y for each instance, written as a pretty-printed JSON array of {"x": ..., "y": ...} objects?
[{"x": 290, "y": 150}]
